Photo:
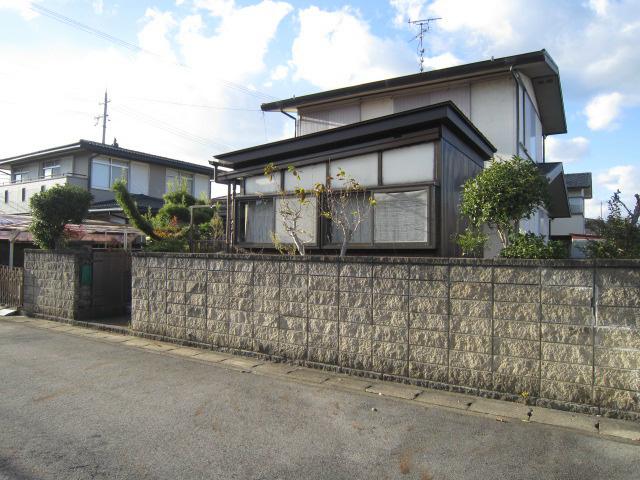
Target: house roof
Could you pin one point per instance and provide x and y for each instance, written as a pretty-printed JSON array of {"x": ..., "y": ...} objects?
[
  {"x": 112, "y": 151},
  {"x": 144, "y": 202},
  {"x": 538, "y": 65},
  {"x": 559, "y": 204},
  {"x": 578, "y": 180},
  {"x": 377, "y": 128}
]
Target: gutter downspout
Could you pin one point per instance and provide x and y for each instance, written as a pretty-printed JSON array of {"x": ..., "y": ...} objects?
[
  {"x": 517, "y": 81},
  {"x": 295, "y": 120}
]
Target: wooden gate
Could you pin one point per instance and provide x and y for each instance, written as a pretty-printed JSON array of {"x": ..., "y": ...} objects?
[{"x": 10, "y": 286}]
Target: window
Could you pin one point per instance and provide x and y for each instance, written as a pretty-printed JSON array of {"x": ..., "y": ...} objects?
[
  {"x": 532, "y": 130},
  {"x": 364, "y": 233},
  {"x": 401, "y": 217},
  {"x": 176, "y": 179},
  {"x": 20, "y": 175},
  {"x": 576, "y": 205},
  {"x": 262, "y": 184},
  {"x": 24, "y": 194},
  {"x": 256, "y": 222},
  {"x": 306, "y": 224},
  {"x": 309, "y": 176},
  {"x": 411, "y": 164},
  {"x": 51, "y": 168},
  {"x": 363, "y": 169},
  {"x": 104, "y": 173}
]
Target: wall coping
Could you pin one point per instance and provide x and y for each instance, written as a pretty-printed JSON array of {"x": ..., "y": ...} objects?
[{"x": 499, "y": 262}]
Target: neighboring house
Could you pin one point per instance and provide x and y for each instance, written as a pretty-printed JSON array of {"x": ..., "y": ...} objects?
[
  {"x": 96, "y": 166},
  {"x": 573, "y": 229},
  {"x": 412, "y": 141}
]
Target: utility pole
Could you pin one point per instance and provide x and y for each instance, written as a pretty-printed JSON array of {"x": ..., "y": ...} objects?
[
  {"x": 104, "y": 117},
  {"x": 424, "y": 26}
]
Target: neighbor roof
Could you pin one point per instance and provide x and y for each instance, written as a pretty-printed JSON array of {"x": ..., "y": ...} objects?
[
  {"x": 539, "y": 66},
  {"x": 377, "y": 128},
  {"x": 559, "y": 204},
  {"x": 112, "y": 151},
  {"x": 144, "y": 202},
  {"x": 578, "y": 180}
]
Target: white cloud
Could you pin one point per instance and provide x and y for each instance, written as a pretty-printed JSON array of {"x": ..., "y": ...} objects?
[
  {"x": 625, "y": 178},
  {"x": 336, "y": 48},
  {"x": 441, "y": 61},
  {"x": 566, "y": 150},
  {"x": 148, "y": 92},
  {"x": 279, "y": 73},
  {"x": 599, "y": 6},
  {"x": 98, "y": 7},
  {"x": 23, "y": 7},
  {"x": 603, "y": 110}
]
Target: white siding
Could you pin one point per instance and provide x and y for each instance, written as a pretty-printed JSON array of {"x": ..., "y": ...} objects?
[
  {"x": 309, "y": 176},
  {"x": 460, "y": 95},
  {"x": 139, "y": 178},
  {"x": 201, "y": 186},
  {"x": 567, "y": 226},
  {"x": 312, "y": 121},
  {"x": 493, "y": 107},
  {"x": 376, "y": 107},
  {"x": 262, "y": 184},
  {"x": 66, "y": 165},
  {"x": 408, "y": 164}
]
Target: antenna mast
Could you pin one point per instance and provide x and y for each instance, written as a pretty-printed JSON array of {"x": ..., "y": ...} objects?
[
  {"x": 424, "y": 26},
  {"x": 104, "y": 117}
]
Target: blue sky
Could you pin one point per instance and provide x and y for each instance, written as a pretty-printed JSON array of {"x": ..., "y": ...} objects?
[{"x": 206, "y": 65}]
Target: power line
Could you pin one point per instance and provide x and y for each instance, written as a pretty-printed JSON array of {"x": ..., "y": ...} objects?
[
  {"x": 162, "y": 125},
  {"x": 195, "y": 105},
  {"x": 136, "y": 48}
]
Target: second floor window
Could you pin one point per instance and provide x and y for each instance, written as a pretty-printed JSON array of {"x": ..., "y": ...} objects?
[
  {"x": 51, "y": 168},
  {"x": 176, "y": 180},
  {"x": 531, "y": 130},
  {"x": 105, "y": 172},
  {"x": 576, "y": 205},
  {"x": 20, "y": 175}
]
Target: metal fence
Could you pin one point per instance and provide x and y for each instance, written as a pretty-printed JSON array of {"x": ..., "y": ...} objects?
[{"x": 10, "y": 286}]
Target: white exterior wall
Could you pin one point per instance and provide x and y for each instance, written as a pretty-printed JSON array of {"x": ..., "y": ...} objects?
[
  {"x": 15, "y": 203},
  {"x": 139, "y": 178},
  {"x": 493, "y": 111},
  {"x": 567, "y": 226},
  {"x": 66, "y": 165},
  {"x": 376, "y": 107}
]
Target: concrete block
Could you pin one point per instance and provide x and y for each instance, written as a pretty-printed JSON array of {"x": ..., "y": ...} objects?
[
  {"x": 573, "y": 334},
  {"x": 392, "y": 318},
  {"x": 563, "y": 295},
  {"x": 470, "y": 360},
  {"x": 617, "y": 337},
  {"x": 471, "y": 308},
  {"x": 428, "y": 371},
  {"x": 390, "y": 302},
  {"x": 429, "y": 272},
  {"x": 421, "y": 288},
  {"x": 567, "y": 314},
  {"x": 557, "y": 352},
  {"x": 420, "y": 354},
  {"x": 566, "y": 392},
  {"x": 479, "y": 326},
  {"x": 522, "y": 312},
  {"x": 470, "y": 343},
  {"x": 395, "y": 351},
  {"x": 389, "y": 366},
  {"x": 514, "y": 366},
  {"x": 461, "y": 273},
  {"x": 470, "y": 290},
  {"x": 428, "y": 338},
  {"x": 516, "y": 275},
  {"x": 580, "y": 277},
  {"x": 567, "y": 372},
  {"x": 615, "y": 399},
  {"x": 618, "y": 277},
  {"x": 391, "y": 286},
  {"x": 428, "y": 305},
  {"x": 470, "y": 378},
  {"x": 622, "y": 358},
  {"x": 516, "y": 330},
  {"x": 356, "y": 270},
  {"x": 618, "y": 378},
  {"x": 510, "y": 347},
  {"x": 619, "y": 316}
]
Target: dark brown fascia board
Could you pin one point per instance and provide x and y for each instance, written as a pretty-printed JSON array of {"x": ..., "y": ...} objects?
[
  {"x": 451, "y": 73},
  {"x": 94, "y": 147},
  {"x": 39, "y": 154},
  {"x": 389, "y": 125}
]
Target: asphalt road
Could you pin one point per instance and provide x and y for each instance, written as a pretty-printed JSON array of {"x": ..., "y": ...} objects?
[{"x": 75, "y": 408}]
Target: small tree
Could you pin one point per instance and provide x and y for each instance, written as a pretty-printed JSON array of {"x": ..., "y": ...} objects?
[
  {"x": 291, "y": 211},
  {"x": 620, "y": 231},
  {"x": 500, "y": 196},
  {"x": 346, "y": 205},
  {"x": 130, "y": 209},
  {"x": 53, "y": 209}
]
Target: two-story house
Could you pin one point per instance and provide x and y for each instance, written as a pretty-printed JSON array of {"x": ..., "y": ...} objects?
[
  {"x": 96, "y": 166},
  {"x": 412, "y": 141},
  {"x": 573, "y": 229}
]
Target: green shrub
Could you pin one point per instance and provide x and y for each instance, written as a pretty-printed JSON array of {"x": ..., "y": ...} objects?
[
  {"x": 130, "y": 209},
  {"x": 53, "y": 209},
  {"x": 529, "y": 245}
]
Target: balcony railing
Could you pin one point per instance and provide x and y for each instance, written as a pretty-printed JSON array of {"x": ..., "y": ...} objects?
[{"x": 42, "y": 178}]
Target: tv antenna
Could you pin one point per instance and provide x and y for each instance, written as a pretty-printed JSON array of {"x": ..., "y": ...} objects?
[
  {"x": 424, "y": 26},
  {"x": 104, "y": 117}
]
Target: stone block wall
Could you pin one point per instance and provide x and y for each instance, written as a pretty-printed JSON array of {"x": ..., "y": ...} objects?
[
  {"x": 51, "y": 283},
  {"x": 565, "y": 334}
]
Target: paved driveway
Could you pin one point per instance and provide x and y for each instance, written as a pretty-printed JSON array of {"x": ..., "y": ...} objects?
[{"x": 77, "y": 407}]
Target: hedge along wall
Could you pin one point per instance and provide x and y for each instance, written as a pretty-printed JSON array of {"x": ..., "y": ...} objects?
[{"x": 566, "y": 332}]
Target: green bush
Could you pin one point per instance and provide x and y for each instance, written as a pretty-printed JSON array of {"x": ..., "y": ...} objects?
[
  {"x": 529, "y": 245},
  {"x": 53, "y": 209},
  {"x": 619, "y": 232},
  {"x": 168, "y": 245},
  {"x": 472, "y": 242}
]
